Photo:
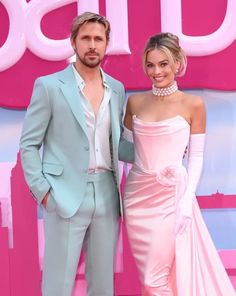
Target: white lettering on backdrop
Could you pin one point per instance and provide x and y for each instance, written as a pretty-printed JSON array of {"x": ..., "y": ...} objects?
[
  {"x": 171, "y": 21},
  {"x": 25, "y": 31}
]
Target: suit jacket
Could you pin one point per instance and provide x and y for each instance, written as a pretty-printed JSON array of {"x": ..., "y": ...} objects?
[{"x": 55, "y": 120}]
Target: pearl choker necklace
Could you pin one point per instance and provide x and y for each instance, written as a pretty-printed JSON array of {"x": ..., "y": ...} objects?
[{"x": 164, "y": 91}]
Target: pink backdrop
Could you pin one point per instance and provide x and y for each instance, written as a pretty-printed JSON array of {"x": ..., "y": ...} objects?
[
  {"x": 199, "y": 18},
  {"x": 20, "y": 272}
]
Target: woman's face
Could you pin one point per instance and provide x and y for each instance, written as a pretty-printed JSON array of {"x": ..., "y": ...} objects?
[{"x": 159, "y": 69}]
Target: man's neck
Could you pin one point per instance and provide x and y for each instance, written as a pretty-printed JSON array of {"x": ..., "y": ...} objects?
[{"x": 87, "y": 73}]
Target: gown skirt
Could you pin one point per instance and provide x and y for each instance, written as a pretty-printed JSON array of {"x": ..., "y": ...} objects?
[{"x": 186, "y": 264}]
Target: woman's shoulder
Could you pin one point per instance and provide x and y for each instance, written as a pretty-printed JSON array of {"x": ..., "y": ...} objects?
[
  {"x": 138, "y": 97},
  {"x": 193, "y": 101},
  {"x": 136, "y": 101}
]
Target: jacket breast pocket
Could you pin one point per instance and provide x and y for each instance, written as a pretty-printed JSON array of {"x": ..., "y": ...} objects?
[{"x": 52, "y": 169}]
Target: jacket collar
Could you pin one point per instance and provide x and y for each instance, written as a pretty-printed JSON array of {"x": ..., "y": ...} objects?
[{"x": 69, "y": 87}]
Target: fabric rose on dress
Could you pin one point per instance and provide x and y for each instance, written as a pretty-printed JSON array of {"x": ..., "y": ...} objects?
[{"x": 168, "y": 176}]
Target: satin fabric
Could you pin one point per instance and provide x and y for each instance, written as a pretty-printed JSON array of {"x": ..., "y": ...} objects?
[{"x": 168, "y": 265}]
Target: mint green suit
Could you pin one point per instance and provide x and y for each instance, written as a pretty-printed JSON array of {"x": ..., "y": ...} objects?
[{"x": 55, "y": 119}]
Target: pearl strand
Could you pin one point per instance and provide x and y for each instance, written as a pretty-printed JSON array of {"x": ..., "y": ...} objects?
[{"x": 164, "y": 91}]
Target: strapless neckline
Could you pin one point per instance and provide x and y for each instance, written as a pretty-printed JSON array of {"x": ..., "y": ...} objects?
[{"x": 161, "y": 121}]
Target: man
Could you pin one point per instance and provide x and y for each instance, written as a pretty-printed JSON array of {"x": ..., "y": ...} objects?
[{"x": 76, "y": 115}]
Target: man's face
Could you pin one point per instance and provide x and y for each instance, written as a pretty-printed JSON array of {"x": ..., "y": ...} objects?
[{"x": 90, "y": 44}]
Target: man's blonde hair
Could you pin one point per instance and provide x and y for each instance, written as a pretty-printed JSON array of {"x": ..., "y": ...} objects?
[{"x": 89, "y": 17}]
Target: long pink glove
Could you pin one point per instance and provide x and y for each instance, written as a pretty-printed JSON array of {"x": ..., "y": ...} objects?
[{"x": 195, "y": 162}]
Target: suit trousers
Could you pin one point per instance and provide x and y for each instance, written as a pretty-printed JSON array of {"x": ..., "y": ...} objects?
[{"x": 94, "y": 229}]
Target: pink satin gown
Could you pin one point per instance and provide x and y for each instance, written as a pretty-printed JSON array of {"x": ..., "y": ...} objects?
[{"x": 168, "y": 265}]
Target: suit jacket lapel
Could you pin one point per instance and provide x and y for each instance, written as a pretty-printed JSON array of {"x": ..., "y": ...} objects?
[
  {"x": 70, "y": 90},
  {"x": 115, "y": 121},
  {"x": 115, "y": 127}
]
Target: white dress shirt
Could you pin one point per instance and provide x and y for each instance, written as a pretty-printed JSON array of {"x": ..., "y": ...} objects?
[{"x": 98, "y": 128}]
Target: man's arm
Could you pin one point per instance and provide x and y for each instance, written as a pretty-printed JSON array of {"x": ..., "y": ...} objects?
[
  {"x": 126, "y": 151},
  {"x": 33, "y": 132},
  {"x": 126, "y": 146}
]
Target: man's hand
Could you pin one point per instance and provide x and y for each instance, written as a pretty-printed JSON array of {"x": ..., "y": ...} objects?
[{"x": 45, "y": 199}]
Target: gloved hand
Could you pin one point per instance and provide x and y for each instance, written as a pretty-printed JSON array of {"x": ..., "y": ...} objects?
[
  {"x": 195, "y": 162},
  {"x": 127, "y": 134}
]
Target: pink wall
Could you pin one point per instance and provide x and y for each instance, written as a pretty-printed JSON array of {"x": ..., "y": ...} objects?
[
  {"x": 144, "y": 18},
  {"x": 20, "y": 272}
]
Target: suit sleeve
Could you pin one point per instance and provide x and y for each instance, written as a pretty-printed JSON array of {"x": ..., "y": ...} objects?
[
  {"x": 33, "y": 132},
  {"x": 126, "y": 148}
]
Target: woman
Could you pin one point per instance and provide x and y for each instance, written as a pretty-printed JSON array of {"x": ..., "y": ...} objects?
[{"x": 172, "y": 248}]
